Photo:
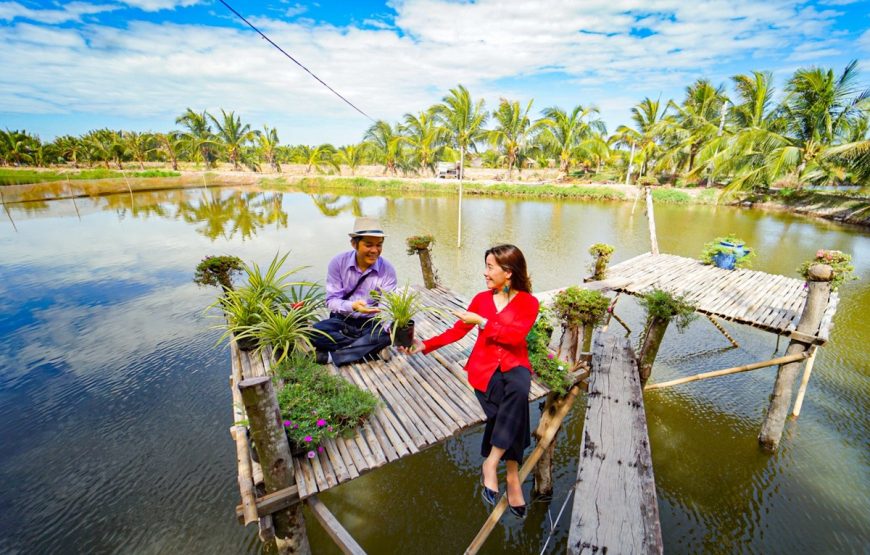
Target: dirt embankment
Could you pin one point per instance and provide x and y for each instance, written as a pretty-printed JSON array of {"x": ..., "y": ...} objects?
[{"x": 830, "y": 206}]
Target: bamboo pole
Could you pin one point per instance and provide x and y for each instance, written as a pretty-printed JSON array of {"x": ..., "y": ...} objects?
[
  {"x": 459, "y": 219},
  {"x": 652, "y": 221},
  {"x": 246, "y": 482},
  {"x": 802, "y": 390},
  {"x": 728, "y": 371},
  {"x": 333, "y": 527},
  {"x": 722, "y": 329},
  {"x": 818, "y": 294},
  {"x": 550, "y": 432}
]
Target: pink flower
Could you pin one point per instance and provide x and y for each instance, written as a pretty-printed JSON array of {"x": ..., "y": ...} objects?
[
  {"x": 308, "y": 439},
  {"x": 297, "y": 306},
  {"x": 321, "y": 423},
  {"x": 311, "y": 454},
  {"x": 550, "y": 356},
  {"x": 329, "y": 428},
  {"x": 320, "y": 449},
  {"x": 295, "y": 426},
  {"x": 287, "y": 423}
]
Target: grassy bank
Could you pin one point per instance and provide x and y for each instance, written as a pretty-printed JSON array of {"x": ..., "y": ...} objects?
[
  {"x": 361, "y": 184},
  {"x": 9, "y": 176},
  {"x": 853, "y": 208}
]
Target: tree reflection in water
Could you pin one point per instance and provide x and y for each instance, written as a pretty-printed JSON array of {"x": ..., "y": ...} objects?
[{"x": 333, "y": 205}]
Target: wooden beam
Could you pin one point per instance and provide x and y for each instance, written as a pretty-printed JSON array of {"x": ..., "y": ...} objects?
[
  {"x": 615, "y": 507},
  {"x": 728, "y": 371},
  {"x": 333, "y": 527},
  {"x": 272, "y": 502}
]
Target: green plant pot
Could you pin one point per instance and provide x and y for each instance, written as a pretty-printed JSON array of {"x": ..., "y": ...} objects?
[{"x": 405, "y": 336}]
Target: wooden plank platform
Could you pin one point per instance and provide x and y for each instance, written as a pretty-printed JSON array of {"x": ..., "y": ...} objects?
[
  {"x": 615, "y": 507},
  {"x": 767, "y": 301},
  {"x": 425, "y": 400}
]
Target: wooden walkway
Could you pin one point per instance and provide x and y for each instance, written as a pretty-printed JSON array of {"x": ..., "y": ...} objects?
[
  {"x": 767, "y": 301},
  {"x": 615, "y": 507},
  {"x": 425, "y": 400}
]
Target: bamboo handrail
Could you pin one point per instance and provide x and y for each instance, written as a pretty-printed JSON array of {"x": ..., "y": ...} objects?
[
  {"x": 548, "y": 436},
  {"x": 246, "y": 482},
  {"x": 734, "y": 370}
]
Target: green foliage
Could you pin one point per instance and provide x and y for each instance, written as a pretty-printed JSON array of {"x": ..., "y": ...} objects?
[
  {"x": 647, "y": 181},
  {"x": 602, "y": 250},
  {"x": 839, "y": 261},
  {"x": 398, "y": 308},
  {"x": 315, "y": 404},
  {"x": 580, "y": 307},
  {"x": 715, "y": 247},
  {"x": 217, "y": 271},
  {"x": 419, "y": 242},
  {"x": 550, "y": 371},
  {"x": 671, "y": 196},
  {"x": 156, "y": 173},
  {"x": 287, "y": 328},
  {"x": 662, "y": 305}
]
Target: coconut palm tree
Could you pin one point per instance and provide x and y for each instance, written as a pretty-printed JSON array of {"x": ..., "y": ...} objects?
[
  {"x": 170, "y": 144},
  {"x": 16, "y": 147},
  {"x": 232, "y": 136},
  {"x": 99, "y": 144},
  {"x": 199, "y": 140},
  {"x": 138, "y": 145},
  {"x": 512, "y": 132},
  {"x": 386, "y": 144},
  {"x": 315, "y": 157},
  {"x": 351, "y": 156},
  {"x": 567, "y": 135},
  {"x": 425, "y": 138},
  {"x": 648, "y": 116},
  {"x": 267, "y": 143},
  {"x": 70, "y": 148},
  {"x": 463, "y": 119}
]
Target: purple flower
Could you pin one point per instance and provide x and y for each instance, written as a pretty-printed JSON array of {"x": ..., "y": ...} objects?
[
  {"x": 295, "y": 426},
  {"x": 287, "y": 423},
  {"x": 311, "y": 454},
  {"x": 320, "y": 449},
  {"x": 321, "y": 423},
  {"x": 308, "y": 439}
]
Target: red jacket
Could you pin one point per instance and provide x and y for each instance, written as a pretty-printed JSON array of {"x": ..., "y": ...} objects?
[{"x": 501, "y": 343}]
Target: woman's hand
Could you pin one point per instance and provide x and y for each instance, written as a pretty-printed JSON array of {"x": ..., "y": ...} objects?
[
  {"x": 416, "y": 347},
  {"x": 469, "y": 317}
]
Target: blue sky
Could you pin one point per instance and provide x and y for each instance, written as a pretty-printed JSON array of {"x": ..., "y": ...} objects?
[{"x": 67, "y": 67}]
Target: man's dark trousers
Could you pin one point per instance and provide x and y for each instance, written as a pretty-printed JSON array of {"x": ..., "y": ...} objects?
[{"x": 352, "y": 339}]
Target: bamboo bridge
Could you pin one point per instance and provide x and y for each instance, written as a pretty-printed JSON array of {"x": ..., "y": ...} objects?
[{"x": 426, "y": 400}]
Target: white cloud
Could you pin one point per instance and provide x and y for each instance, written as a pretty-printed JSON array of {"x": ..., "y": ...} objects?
[
  {"x": 71, "y": 11},
  {"x": 157, "y": 5},
  {"x": 152, "y": 70},
  {"x": 864, "y": 41}
]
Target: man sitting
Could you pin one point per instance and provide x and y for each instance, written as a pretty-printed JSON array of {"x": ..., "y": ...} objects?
[{"x": 350, "y": 279}]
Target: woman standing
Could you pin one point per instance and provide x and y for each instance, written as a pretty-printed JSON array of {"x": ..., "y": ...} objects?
[{"x": 498, "y": 367}]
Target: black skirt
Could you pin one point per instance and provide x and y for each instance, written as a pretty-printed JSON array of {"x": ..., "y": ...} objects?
[{"x": 506, "y": 405}]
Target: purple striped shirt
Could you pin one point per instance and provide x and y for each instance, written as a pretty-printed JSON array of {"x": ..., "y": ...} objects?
[{"x": 343, "y": 274}]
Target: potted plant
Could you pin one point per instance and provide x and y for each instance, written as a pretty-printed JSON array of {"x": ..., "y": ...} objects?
[
  {"x": 579, "y": 311},
  {"x": 287, "y": 328},
  {"x": 242, "y": 309},
  {"x": 727, "y": 253},
  {"x": 840, "y": 263},
  {"x": 602, "y": 253},
  {"x": 397, "y": 311}
]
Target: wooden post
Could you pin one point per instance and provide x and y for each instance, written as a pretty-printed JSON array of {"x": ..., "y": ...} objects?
[
  {"x": 273, "y": 450},
  {"x": 652, "y": 222},
  {"x": 652, "y": 340},
  {"x": 818, "y": 293},
  {"x": 569, "y": 352},
  {"x": 600, "y": 268}
]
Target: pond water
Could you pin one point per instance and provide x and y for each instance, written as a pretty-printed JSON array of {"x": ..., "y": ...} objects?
[{"x": 115, "y": 406}]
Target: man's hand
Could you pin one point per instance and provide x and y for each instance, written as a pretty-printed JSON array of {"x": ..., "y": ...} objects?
[
  {"x": 469, "y": 317},
  {"x": 362, "y": 306}
]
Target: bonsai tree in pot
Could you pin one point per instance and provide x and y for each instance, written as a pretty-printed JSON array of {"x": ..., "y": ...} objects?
[
  {"x": 397, "y": 311},
  {"x": 602, "y": 253},
  {"x": 218, "y": 271},
  {"x": 579, "y": 310},
  {"x": 661, "y": 308}
]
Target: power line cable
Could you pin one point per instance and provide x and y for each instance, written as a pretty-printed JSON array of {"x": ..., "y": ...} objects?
[{"x": 319, "y": 80}]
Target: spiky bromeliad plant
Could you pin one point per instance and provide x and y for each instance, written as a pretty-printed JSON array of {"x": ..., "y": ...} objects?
[
  {"x": 287, "y": 328},
  {"x": 398, "y": 309}
]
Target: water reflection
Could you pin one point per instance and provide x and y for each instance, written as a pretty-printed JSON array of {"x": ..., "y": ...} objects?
[{"x": 114, "y": 405}]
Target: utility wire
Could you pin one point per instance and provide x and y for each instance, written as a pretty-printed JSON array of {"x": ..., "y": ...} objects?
[{"x": 319, "y": 80}]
